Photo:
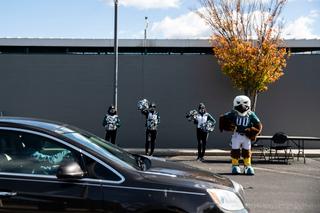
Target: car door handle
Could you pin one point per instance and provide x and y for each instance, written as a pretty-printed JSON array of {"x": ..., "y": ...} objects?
[{"x": 8, "y": 194}]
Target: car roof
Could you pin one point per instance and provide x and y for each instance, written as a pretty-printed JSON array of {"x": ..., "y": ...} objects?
[{"x": 37, "y": 123}]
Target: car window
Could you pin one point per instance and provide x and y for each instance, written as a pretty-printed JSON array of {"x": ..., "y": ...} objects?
[
  {"x": 27, "y": 153},
  {"x": 107, "y": 149},
  {"x": 95, "y": 170}
]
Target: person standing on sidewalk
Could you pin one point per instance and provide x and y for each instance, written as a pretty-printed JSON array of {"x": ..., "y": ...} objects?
[
  {"x": 111, "y": 123},
  {"x": 152, "y": 122},
  {"x": 205, "y": 124}
]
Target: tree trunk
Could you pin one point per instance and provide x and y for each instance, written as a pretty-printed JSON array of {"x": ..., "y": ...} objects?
[
  {"x": 254, "y": 101},
  {"x": 253, "y": 95}
]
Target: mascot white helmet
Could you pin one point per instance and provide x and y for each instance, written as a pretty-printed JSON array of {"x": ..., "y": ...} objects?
[{"x": 242, "y": 105}]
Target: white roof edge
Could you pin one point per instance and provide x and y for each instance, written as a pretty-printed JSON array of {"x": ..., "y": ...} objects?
[{"x": 67, "y": 42}]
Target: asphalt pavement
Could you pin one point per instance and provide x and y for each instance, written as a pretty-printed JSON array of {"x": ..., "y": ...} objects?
[{"x": 276, "y": 187}]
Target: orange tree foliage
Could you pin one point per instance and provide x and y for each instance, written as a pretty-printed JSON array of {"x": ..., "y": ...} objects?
[
  {"x": 246, "y": 41},
  {"x": 250, "y": 67}
]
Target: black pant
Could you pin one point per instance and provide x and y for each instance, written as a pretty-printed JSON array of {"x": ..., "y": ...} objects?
[
  {"x": 151, "y": 136},
  {"x": 111, "y": 136},
  {"x": 202, "y": 138}
]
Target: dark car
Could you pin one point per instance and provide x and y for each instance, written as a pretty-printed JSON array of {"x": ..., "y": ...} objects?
[{"x": 52, "y": 167}]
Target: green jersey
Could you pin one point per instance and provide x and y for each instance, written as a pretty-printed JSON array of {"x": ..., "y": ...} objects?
[{"x": 242, "y": 122}]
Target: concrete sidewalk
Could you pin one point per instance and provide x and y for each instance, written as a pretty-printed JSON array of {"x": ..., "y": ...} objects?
[{"x": 309, "y": 153}]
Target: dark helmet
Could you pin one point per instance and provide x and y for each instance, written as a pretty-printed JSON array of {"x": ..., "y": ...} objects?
[
  {"x": 112, "y": 110},
  {"x": 202, "y": 108},
  {"x": 152, "y": 105}
]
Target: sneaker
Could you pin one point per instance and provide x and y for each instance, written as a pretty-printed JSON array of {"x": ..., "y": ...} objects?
[
  {"x": 236, "y": 170},
  {"x": 201, "y": 159},
  {"x": 248, "y": 170}
]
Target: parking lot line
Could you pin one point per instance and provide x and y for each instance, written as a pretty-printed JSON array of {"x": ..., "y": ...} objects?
[{"x": 287, "y": 173}]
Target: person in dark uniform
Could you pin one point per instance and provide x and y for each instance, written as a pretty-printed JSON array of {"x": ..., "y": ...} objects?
[
  {"x": 111, "y": 123},
  {"x": 152, "y": 122},
  {"x": 201, "y": 119}
]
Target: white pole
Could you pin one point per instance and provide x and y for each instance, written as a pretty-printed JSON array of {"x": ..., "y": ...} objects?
[
  {"x": 146, "y": 27},
  {"x": 115, "y": 98},
  {"x": 145, "y": 34}
]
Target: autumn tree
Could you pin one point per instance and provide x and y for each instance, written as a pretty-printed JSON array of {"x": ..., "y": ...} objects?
[{"x": 247, "y": 41}]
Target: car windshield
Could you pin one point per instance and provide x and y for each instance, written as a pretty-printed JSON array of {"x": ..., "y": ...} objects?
[{"x": 107, "y": 149}]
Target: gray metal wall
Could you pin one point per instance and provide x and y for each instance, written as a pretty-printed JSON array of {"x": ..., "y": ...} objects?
[{"x": 77, "y": 89}]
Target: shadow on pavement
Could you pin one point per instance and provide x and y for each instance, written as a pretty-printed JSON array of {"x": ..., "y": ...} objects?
[{"x": 216, "y": 161}]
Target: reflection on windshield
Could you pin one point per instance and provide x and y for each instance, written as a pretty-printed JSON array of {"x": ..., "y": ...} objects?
[{"x": 105, "y": 148}]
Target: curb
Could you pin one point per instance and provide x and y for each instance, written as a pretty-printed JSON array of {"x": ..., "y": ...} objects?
[{"x": 309, "y": 153}]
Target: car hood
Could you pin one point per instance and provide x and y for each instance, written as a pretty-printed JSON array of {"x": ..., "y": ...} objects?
[{"x": 172, "y": 170}]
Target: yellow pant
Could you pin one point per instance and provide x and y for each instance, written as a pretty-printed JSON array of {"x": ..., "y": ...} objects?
[{"x": 246, "y": 162}]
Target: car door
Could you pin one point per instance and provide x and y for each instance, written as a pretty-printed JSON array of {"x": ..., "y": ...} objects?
[{"x": 28, "y": 182}]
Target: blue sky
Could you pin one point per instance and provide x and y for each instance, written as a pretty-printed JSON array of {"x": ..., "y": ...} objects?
[{"x": 167, "y": 19}]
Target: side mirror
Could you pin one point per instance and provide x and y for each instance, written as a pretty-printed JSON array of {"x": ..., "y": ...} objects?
[{"x": 70, "y": 170}]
